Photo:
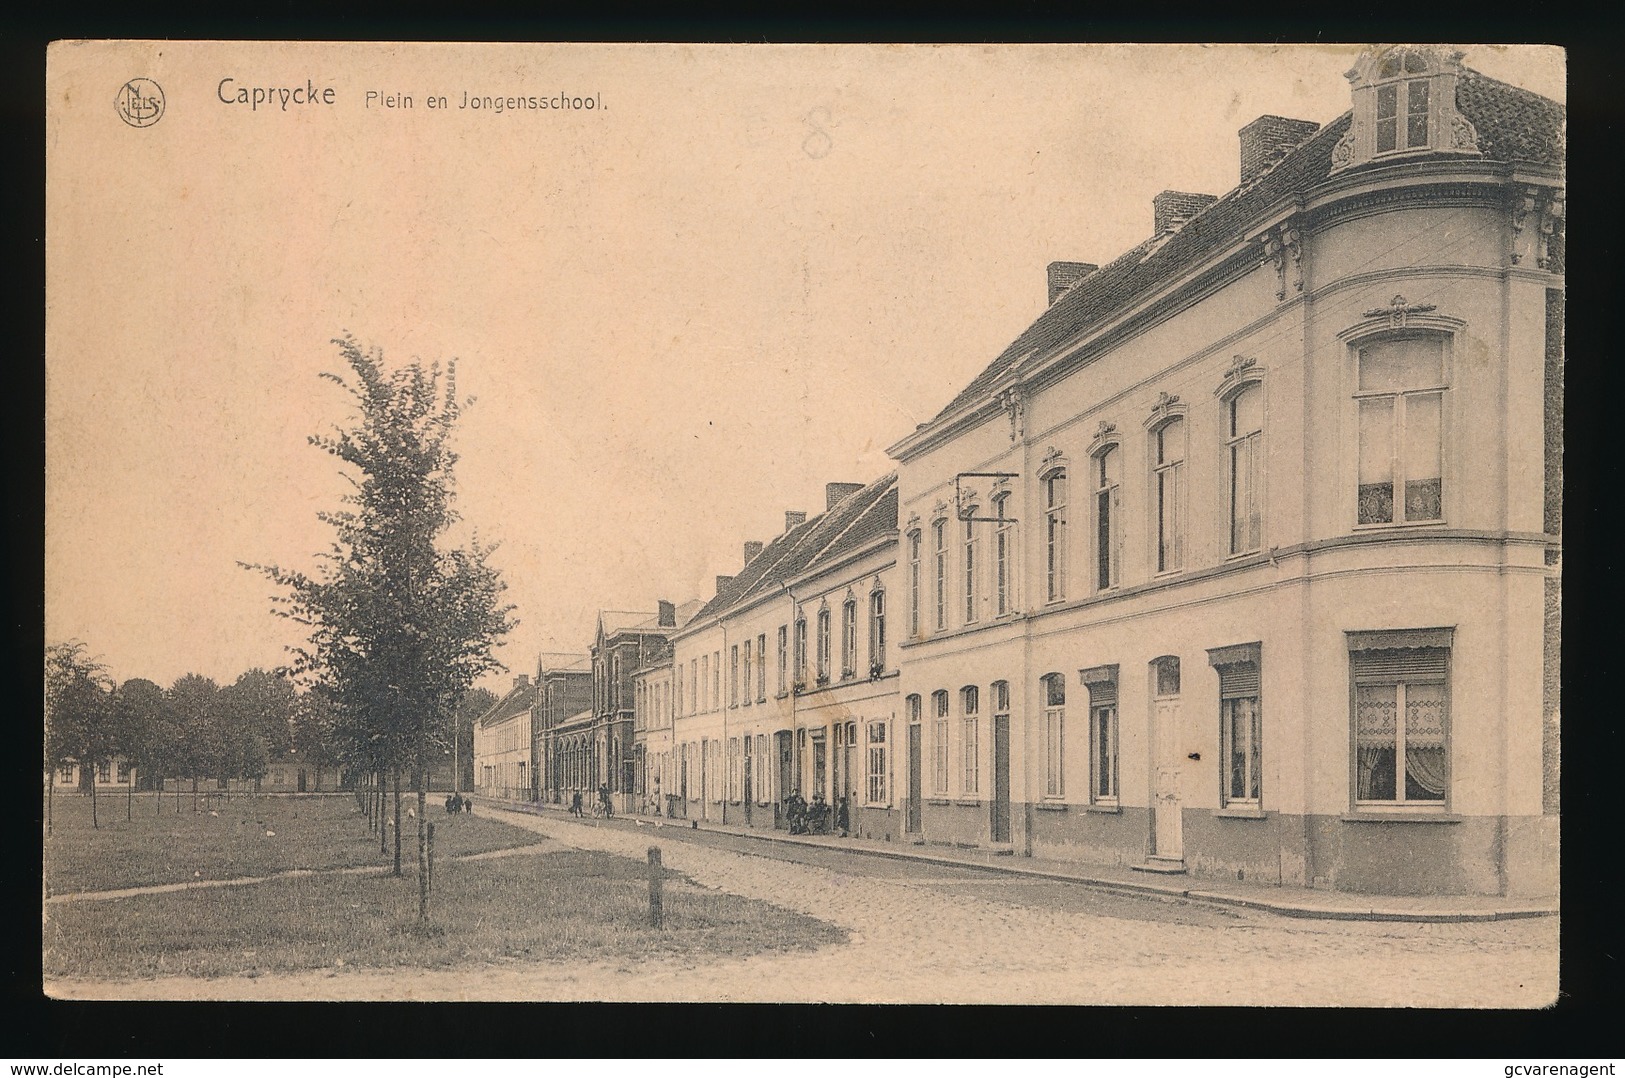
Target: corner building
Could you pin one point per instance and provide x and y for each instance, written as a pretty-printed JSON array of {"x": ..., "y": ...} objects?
[{"x": 1242, "y": 560}]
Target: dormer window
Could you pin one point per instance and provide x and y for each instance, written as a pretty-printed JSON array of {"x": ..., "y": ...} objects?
[
  {"x": 1404, "y": 103},
  {"x": 1402, "y": 132}
]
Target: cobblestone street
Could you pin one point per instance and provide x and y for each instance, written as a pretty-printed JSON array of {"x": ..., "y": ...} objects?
[{"x": 925, "y": 933}]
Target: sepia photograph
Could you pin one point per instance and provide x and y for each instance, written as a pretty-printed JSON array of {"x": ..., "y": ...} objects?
[{"x": 819, "y": 523}]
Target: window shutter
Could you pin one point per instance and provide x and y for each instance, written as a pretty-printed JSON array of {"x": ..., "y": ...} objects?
[
  {"x": 1238, "y": 681},
  {"x": 1409, "y": 664},
  {"x": 1103, "y": 694}
]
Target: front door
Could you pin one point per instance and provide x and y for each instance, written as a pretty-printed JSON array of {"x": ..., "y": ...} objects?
[
  {"x": 750, "y": 796},
  {"x": 301, "y": 780},
  {"x": 1000, "y": 824},
  {"x": 913, "y": 817},
  {"x": 820, "y": 765},
  {"x": 787, "y": 773},
  {"x": 1168, "y": 835}
]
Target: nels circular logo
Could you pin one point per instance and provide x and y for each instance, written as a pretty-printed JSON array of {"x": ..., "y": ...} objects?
[{"x": 140, "y": 102}]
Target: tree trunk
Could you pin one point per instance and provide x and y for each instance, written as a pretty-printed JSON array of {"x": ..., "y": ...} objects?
[
  {"x": 93, "y": 821},
  {"x": 397, "y": 785},
  {"x": 50, "y": 796},
  {"x": 423, "y": 839},
  {"x": 194, "y": 796},
  {"x": 383, "y": 832},
  {"x": 129, "y": 797}
]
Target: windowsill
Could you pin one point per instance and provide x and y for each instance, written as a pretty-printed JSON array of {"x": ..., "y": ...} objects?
[
  {"x": 1050, "y": 806},
  {"x": 1380, "y": 526},
  {"x": 1404, "y": 816},
  {"x": 1106, "y": 809},
  {"x": 937, "y": 801},
  {"x": 965, "y": 803},
  {"x": 781, "y": 696},
  {"x": 1253, "y": 553},
  {"x": 1240, "y": 812}
]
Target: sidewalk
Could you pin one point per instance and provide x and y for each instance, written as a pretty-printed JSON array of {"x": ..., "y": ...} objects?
[{"x": 1285, "y": 901}]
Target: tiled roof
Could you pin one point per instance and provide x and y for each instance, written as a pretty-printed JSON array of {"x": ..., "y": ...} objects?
[
  {"x": 564, "y": 662},
  {"x": 517, "y": 702},
  {"x": 1512, "y": 125},
  {"x": 856, "y": 519}
]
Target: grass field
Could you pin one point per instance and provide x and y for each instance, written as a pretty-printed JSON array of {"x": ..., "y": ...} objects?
[
  {"x": 558, "y": 904},
  {"x": 310, "y": 832}
]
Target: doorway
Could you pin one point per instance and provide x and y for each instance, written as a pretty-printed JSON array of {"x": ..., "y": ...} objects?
[
  {"x": 750, "y": 795},
  {"x": 999, "y": 829},
  {"x": 912, "y": 816},
  {"x": 1168, "y": 832}
]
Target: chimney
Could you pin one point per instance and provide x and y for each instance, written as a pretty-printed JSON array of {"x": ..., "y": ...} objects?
[
  {"x": 793, "y": 517},
  {"x": 1171, "y": 209},
  {"x": 1063, "y": 275},
  {"x": 1267, "y": 139},
  {"x": 521, "y": 681},
  {"x": 722, "y": 582},
  {"x": 834, "y": 492},
  {"x": 668, "y": 614},
  {"x": 751, "y": 550}
]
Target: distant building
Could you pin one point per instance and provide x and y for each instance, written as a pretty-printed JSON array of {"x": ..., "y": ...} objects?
[
  {"x": 502, "y": 745},
  {"x": 563, "y": 690},
  {"x": 116, "y": 772}
]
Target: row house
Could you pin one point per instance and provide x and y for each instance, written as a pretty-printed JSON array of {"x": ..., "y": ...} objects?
[
  {"x": 563, "y": 700},
  {"x": 1241, "y": 561},
  {"x": 502, "y": 745},
  {"x": 783, "y": 683},
  {"x": 595, "y": 748}
]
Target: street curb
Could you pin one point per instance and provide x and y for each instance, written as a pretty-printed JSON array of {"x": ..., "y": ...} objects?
[{"x": 1217, "y": 898}]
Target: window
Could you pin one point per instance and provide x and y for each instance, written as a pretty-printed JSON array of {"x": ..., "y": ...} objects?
[
  {"x": 1401, "y": 707},
  {"x": 761, "y": 666},
  {"x": 849, "y": 638},
  {"x": 823, "y": 645},
  {"x": 939, "y": 541},
  {"x": 1101, "y": 681},
  {"x": 939, "y": 705},
  {"x": 1108, "y": 472},
  {"x": 1054, "y": 734},
  {"x": 716, "y": 680},
  {"x": 801, "y": 653},
  {"x": 124, "y": 771},
  {"x": 103, "y": 773},
  {"x": 1055, "y": 535},
  {"x": 1168, "y": 453},
  {"x": 970, "y": 568},
  {"x": 745, "y": 692},
  {"x": 64, "y": 775},
  {"x": 784, "y": 658},
  {"x": 1244, "y": 414},
  {"x": 1002, "y": 540},
  {"x": 1402, "y": 105},
  {"x": 877, "y": 760},
  {"x": 1400, "y": 397},
  {"x": 914, "y": 583},
  {"x": 970, "y": 741},
  {"x": 877, "y": 633},
  {"x": 1241, "y": 729},
  {"x": 733, "y": 676}
]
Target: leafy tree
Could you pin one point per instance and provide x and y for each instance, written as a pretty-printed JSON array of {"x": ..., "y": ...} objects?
[
  {"x": 140, "y": 713},
  {"x": 259, "y": 710},
  {"x": 78, "y": 715},
  {"x": 474, "y": 703},
  {"x": 199, "y": 746},
  {"x": 400, "y": 623}
]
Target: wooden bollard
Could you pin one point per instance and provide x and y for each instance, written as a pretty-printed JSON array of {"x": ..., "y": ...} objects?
[
  {"x": 428, "y": 872},
  {"x": 657, "y": 910}
]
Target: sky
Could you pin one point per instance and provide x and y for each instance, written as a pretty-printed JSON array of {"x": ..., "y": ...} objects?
[{"x": 742, "y": 275}]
